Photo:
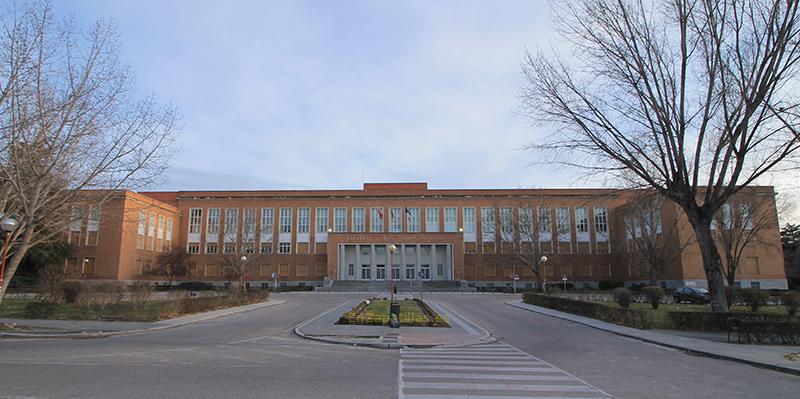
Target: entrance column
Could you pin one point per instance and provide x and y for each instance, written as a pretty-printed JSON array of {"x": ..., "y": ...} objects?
[
  {"x": 373, "y": 274},
  {"x": 342, "y": 267},
  {"x": 403, "y": 262},
  {"x": 417, "y": 266},
  {"x": 434, "y": 267},
  {"x": 448, "y": 262},
  {"x": 358, "y": 262}
]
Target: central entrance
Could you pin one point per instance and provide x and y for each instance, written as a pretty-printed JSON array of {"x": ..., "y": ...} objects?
[{"x": 368, "y": 262}]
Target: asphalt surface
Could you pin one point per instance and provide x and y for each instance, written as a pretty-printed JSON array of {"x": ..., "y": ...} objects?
[{"x": 255, "y": 354}]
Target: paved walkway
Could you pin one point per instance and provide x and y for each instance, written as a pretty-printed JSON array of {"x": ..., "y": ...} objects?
[
  {"x": 91, "y": 328},
  {"x": 493, "y": 370},
  {"x": 324, "y": 328},
  {"x": 769, "y": 356}
]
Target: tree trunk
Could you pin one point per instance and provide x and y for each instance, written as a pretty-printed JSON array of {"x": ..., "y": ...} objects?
[
  {"x": 712, "y": 261},
  {"x": 652, "y": 277},
  {"x": 16, "y": 258},
  {"x": 731, "y": 276}
]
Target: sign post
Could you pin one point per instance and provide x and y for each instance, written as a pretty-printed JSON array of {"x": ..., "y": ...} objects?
[
  {"x": 275, "y": 279},
  {"x": 514, "y": 278},
  {"x": 564, "y": 279}
]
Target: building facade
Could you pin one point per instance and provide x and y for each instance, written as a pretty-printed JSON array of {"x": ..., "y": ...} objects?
[{"x": 483, "y": 238}]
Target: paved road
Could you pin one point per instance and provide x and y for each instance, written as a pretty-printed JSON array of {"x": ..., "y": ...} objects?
[
  {"x": 493, "y": 369},
  {"x": 249, "y": 355},
  {"x": 255, "y": 355},
  {"x": 623, "y": 367}
]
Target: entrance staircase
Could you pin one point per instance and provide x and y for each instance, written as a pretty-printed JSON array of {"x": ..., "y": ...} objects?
[{"x": 402, "y": 286}]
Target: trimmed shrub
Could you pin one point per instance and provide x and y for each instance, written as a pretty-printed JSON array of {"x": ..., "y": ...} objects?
[
  {"x": 791, "y": 300},
  {"x": 754, "y": 298},
  {"x": 606, "y": 285},
  {"x": 653, "y": 294},
  {"x": 625, "y": 317},
  {"x": 771, "y": 332},
  {"x": 39, "y": 310},
  {"x": 70, "y": 291},
  {"x": 622, "y": 296},
  {"x": 717, "y": 321},
  {"x": 49, "y": 283},
  {"x": 194, "y": 286}
]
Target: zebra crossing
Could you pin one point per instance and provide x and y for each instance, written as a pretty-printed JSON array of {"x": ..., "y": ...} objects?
[{"x": 485, "y": 371}]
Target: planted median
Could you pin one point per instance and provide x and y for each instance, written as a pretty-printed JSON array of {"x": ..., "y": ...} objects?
[{"x": 375, "y": 312}]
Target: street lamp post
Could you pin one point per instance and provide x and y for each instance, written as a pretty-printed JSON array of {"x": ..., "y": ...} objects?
[
  {"x": 542, "y": 272},
  {"x": 392, "y": 250},
  {"x": 564, "y": 279},
  {"x": 241, "y": 277},
  {"x": 8, "y": 225}
]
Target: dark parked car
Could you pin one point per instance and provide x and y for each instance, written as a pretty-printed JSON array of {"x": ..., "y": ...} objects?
[{"x": 691, "y": 294}]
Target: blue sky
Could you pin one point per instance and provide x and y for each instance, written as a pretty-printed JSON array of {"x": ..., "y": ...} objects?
[{"x": 327, "y": 94}]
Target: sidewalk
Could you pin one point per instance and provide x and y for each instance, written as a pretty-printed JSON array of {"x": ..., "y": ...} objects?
[
  {"x": 767, "y": 356},
  {"x": 100, "y": 329},
  {"x": 324, "y": 328}
]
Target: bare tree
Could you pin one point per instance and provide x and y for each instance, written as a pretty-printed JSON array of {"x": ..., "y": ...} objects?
[
  {"x": 529, "y": 232},
  {"x": 693, "y": 97},
  {"x": 173, "y": 264},
  {"x": 236, "y": 265},
  {"x": 737, "y": 225},
  {"x": 68, "y": 123},
  {"x": 651, "y": 246}
]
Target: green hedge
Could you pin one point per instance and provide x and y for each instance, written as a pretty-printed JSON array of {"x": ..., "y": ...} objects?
[
  {"x": 718, "y": 321},
  {"x": 770, "y": 332},
  {"x": 626, "y": 317}
]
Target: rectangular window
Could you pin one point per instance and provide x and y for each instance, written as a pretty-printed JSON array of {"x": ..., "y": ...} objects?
[
  {"x": 231, "y": 224},
  {"x": 469, "y": 220},
  {"x": 358, "y": 220},
  {"x": 285, "y": 248},
  {"x": 376, "y": 224},
  {"x": 432, "y": 220},
  {"x": 340, "y": 220},
  {"x": 169, "y": 230},
  {"x": 487, "y": 224},
  {"x": 212, "y": 248},
  {"x": 303, "y": 220},
  {"x": 160, "y": 233},
  {"x": 526, "y": 230},
  {"x": 93, "y": 227},
  {"x": 266, "y": 248},
  {"x": 450, "y": 220},
  {"x": 151, "y": 231},
  {"x": 212, "y": 225},
  {"x": 193, "y": 248},
  {"x": 582, "y": 224},
  {"x": 267, "y": 224},
  {"x": 195, "y": 215},
  {"x": 396, "y": 220},
  {"x": 412, "y": 221},
  {"x": 507, "y": 224},
  {"x": 745, "y": 215},
  {"x": 229, "y": 248},
  {"x": 545, "y": 225},
  {"x": 727, "y": 219},
  {"x": 142, "y": 222},
  {"x": 322, "y": 220},
  {"x": 286, "y": 220},
  {"x": 249, "y": 225},
  {"x": 601, "y": 220},
  {"x": 563, "y": 225}
]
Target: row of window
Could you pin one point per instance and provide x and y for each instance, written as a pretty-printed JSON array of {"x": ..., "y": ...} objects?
[
  {"x": 153, "y": 231},
  {"x": 524, "y": 223},
  {"x": 92, "y": 223}
]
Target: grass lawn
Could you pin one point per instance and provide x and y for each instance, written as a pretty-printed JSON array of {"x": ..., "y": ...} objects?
[
  {"x": 659, "y": 319},
  {"x": 377, "y": 313}
]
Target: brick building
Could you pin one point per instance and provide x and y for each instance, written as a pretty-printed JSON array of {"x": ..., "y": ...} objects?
[{"x": 315, "y": 237}]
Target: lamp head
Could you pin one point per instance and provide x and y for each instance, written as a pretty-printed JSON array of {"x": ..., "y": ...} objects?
[
  {"x": 9, "y": 224},
  {"x": 244, "y": 259},
  {"x": 543, "y": 259},
  {"x": 392, "y": 248}
]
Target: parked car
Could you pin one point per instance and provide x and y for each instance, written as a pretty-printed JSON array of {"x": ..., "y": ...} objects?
[{"x": 691, "y": 294}]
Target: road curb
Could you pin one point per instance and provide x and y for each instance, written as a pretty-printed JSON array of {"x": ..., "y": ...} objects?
[
  {"x": 714, "y": 355},
  {"x": 102, "y": 334},
  {"x": 485, "y": 336}
]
